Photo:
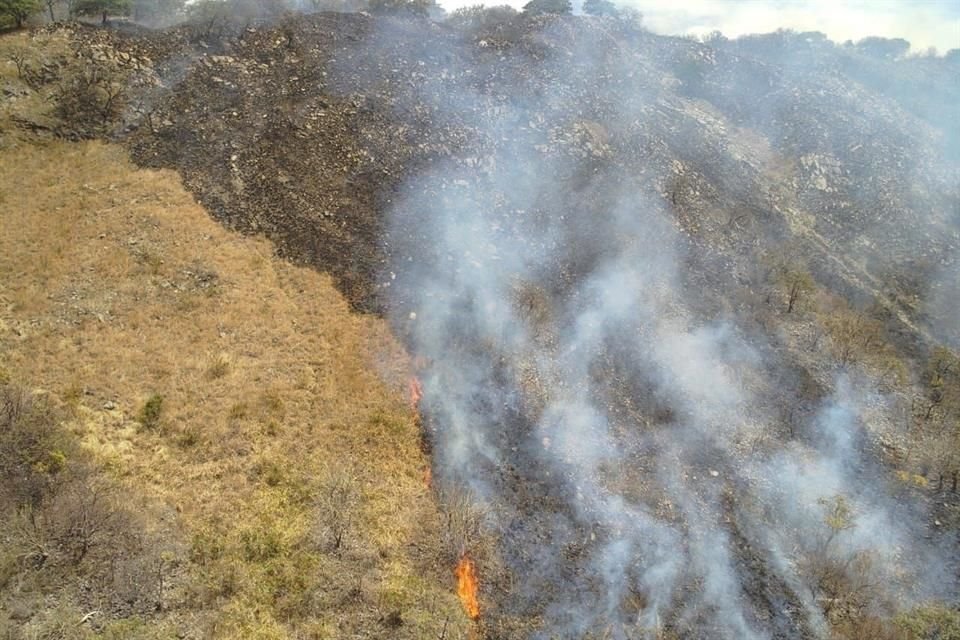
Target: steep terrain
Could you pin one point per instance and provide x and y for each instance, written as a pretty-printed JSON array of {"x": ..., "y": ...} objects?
[
  {"x": 681, "y": 313},
  {"x": 283, "y": 428}
]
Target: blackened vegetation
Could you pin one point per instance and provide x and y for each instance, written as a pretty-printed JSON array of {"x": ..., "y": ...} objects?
[{"x": 794, "y": 189}]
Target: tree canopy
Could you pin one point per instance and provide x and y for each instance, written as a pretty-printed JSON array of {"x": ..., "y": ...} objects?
[
  {"x": 599, "y": 8},
  {"x": 420, "y": 8},
  {"x": 884, "y": 47},
  {"x": 540, "y": 7},
  {"x": 103, "y": 8},
  {"x": 18, "y": 10}
]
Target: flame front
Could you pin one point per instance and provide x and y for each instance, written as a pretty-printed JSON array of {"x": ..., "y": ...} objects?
[
  {"x": 467, "y": 586},
  {"x": 416, "y": 392}
]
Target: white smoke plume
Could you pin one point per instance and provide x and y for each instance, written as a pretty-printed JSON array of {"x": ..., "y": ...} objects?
[{"x": 580, "y": 380}]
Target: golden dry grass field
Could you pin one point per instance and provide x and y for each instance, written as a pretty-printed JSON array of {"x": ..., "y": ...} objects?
[{"x": 283, "y": 426}]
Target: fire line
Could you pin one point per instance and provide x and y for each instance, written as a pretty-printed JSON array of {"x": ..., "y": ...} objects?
[{"x": 466, "y": 572}]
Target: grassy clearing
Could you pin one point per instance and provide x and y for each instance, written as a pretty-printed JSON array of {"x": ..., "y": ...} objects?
[{"x": 213, "y": 378}]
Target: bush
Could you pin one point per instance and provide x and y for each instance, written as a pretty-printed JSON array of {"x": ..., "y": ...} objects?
[
  {"x": 337, "y": 503},
  {"x": 261, "y": 543},
  {"x": 61, "y": 524},
  {"x": 464, "y": 523},
  {"x": 149, "y": 415},
  {"x": 219, "y": 367},
  {"x": 501, "y": 23},
  {"x": 34, "y": 451},
  {"x": 91, "y": 96}
]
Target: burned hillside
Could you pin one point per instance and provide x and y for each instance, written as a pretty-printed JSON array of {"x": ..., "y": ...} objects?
[{"x": 680, "y": 312}]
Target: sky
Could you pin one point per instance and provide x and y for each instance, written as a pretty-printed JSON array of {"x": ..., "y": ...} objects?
[{"x": 925, "y": 23}]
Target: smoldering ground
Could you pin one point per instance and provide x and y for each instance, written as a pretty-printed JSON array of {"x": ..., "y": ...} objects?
[
  {"x": 579, "y": 250},
  {"x": 583, "y": 385}
]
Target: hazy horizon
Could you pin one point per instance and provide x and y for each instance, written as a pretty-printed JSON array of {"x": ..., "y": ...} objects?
[{"x": 924, "y": 23}]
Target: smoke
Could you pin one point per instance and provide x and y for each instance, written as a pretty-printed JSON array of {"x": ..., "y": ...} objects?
[
  {"x": 585, "y": 380},
  {"x": 942, "y": 296}
]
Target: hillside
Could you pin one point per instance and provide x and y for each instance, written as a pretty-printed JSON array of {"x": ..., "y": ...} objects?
[
  {"x": 677, "y": 319},
  {"x": 284, "y": 421}
]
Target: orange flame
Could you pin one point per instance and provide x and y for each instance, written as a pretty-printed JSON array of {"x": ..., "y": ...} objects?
[
  {"x": 467, "y": 586},
  {"x": 416, "y": 392}
]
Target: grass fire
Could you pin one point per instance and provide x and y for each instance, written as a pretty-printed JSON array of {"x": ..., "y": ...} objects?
[
  {"x": 467, "y": 586},
  {"x": 332, "y": 319}
]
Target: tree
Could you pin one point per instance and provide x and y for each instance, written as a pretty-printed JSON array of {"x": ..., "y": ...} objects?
[
  {"x": 839, "y": 578},
  {"x": 18, "y": 10},
  {"x": 600, "y": 8},
  {"x": 419, "y": 8},
  {"x": 890, "y": 48},
  {"x": 798, "y": 283},
  {"x": 157, "y": 11},
  {"x": 104, "y": 8},
  {"x": 541, "y": 7},
  {"x": 855, "y": 336},
  {"x": 788, "y": 271},
  {"x": 479, "y": 21}
]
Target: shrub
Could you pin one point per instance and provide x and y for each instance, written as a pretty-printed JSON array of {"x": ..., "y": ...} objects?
[
  {"x": 261, "y": 543},
  {"x": 219, "y": 367},
  {"x": 91, "y": 96},
  {"x": 149, "y": 415},
  {"x": 33, "y": 449},
  {"x": 337, "y": 502},
  {"x": 931, "y": 621}
]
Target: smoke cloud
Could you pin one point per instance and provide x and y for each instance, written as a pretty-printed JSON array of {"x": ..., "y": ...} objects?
[{"x": 584, "y": 382}]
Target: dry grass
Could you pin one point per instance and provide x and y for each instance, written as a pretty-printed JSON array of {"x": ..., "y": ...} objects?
[
  {"x": 116, "y": 287},
  {"x": 20, "y": 54}
]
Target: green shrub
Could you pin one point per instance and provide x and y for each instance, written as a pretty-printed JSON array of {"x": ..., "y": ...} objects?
[
  {"x": 261, "y": 543},
  {"x": 149, "y": 415}
]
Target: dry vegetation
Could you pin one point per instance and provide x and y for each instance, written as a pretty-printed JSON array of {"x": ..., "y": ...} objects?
[
  {"x": 208, "y": 443},
  {"x": 27, "y": 65},
  {"x": 233, "y": 394}
]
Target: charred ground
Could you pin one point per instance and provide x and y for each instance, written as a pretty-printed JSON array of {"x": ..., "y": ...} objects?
[{"x": 812, "y": 196}]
